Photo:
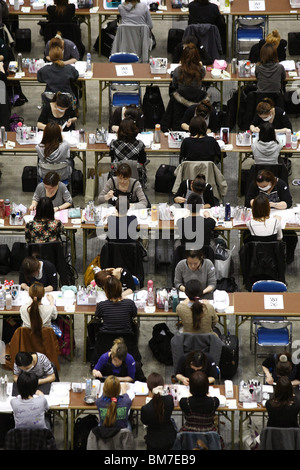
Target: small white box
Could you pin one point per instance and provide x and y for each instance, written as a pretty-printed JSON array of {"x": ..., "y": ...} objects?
[{"x": 228, "y": 388}]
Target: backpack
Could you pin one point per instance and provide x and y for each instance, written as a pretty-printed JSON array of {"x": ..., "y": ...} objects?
[
  {"x": 153, "y": 106},
  {"x": 228, "y": 284},
  {"x": 13, "y": 121},
  {"x": 82, "y": 429},
  {"x": 165, "y": 178},
  {"x": 4, "y": 259},
  {"x": 160, "y": 343}
]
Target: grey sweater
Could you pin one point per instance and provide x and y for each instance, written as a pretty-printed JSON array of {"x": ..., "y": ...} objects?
[
  {"x": 270, "y": 77},
  {"x": 206, "y": 275},
  {"x": 138, "y": 14},
  {"x": 266, "y": 153},
  {"x": 138, "y": 197},
  {"x": 59, "y": 156}
]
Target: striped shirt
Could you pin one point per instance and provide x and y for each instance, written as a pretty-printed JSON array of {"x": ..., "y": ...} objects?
[
  {"x": 42, "y": 368},
  {"x": 116, "y": 316}
]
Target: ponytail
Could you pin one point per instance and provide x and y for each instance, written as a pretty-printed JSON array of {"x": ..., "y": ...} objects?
[
  {"x": 197, "y": 313},
  {"x": 36, "y": 292}
]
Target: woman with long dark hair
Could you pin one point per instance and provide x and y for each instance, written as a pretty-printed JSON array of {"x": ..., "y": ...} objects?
[
  {"x": 61, "y": 12},
  {"x": 36, "y": 315},
  {"x": 127, "y": 146},
  {"x": 44, "y": 228},
  {"x": 282, "y": 409},
  {"x": 156, "y": 415}
]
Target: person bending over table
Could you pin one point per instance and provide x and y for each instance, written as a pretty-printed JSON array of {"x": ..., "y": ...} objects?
[
  {"x": 34, "y": 314},
  {"x": 157, "y": 415},
  {"x": 131, "y": 111},
  {"x": 30, "y": 406},
  {"x": 37, "y": 363},
  {"x": 266, "y": 111},
  {"x": 279, "y": 365},
  {"x": 70, "y": 51},
  {"x": 123, "y": 185},
  {"x": 197, "y": 185},
  {"x": 205, "y": 110},
  {"x": 283, "y": 410},
  {"x": 55, "y": 190},
  {"x": 113, "y": 406},
  {"x": 199, "y": 146},
  {"x": 44, "y": 228},
  {"x": 122, "y": 274},
  {"x": 197, "y": 316},
  {"x": 118, "y": 362},
  {"x": 193, "y": 361},
  {"x": 60, "y": 111},
  {"x": 33, "y": 269},
  {"x": 195, "y": 266}
]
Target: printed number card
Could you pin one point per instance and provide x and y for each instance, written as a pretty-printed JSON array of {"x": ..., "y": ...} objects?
[
  {"x": 273, "y": 302},
  {"x": 124, "y": 70},
  {"x": 257, "y": 5}
]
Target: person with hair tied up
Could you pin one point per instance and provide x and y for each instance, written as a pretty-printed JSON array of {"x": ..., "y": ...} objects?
[
  {"x": 34, "y": 314},
  {"x": 33, "y": 269},
  {"x": 199, "y": 186},
  {"x": 131, "y": 111},
  {"x": 266, "y": 111},
  {"x": 279, "y": 365},
  {"x": 44, "y": 228},
  {"x": 199, "y": 146},
  {"x": 282, "y": 408},
  {"x": 113, "y": 407},
  {"x": 70, "y": 51},
  {"x": 193, "y": 361},
  {"x": 124, "y": 276},
  {"x": 127, "y": 146},
  {"x": 156, "y": 415},
  {"x": 205, "y": 110},
  {"x": 196, "y": 316}
]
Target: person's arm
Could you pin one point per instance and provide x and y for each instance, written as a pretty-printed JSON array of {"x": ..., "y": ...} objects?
[
  {"x": 208, "y": 197},
  {"x": 51, "y": 275},
  {"x": 142, "y": 157},
  {"x": 50, "y": 378},
  {"x": 139, "y": 195},
  {"x": 284, "y": 195},
  {"x": 63, "y": 206},
  {"x": 107, "y": 192},
  {"x": 181, "y": 378},
  {"x": 285, "y": 123},
  {"x": 179, "y": 196},
  {"x": 178, "y": 277},
  {"x": 211, "y": 279},
  {"x": 269, "y": 378}
]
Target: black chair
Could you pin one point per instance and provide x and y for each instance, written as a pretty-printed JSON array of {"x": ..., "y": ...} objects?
[
  {"x": 125, "y": 255},
  {"x": 54, "y": 252},
  {"x": 69, "y": 31},
  {"x": 29, "y": 439},
  {"x": 262, "y": 261}
]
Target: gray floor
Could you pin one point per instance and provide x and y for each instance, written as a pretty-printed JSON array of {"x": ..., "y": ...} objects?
[{"x": 10, "y": 186}]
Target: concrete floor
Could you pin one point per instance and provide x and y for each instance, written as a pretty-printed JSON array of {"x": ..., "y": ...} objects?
[{"x": 10, "y": 186}]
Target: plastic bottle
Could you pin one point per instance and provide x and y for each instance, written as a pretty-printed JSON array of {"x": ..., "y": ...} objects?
[
  {"x": 2, "y": 300},
  {"x": 288, "y": 143},
  {"x": 294, "y": 141},
  {"x": 154, "y": 214},
  {"x": 227, "y": 212},
  {"x": 175, "y": 300},
  {"x": 8, "y": 302},
  {"x": 248, "y": 69},
  {"x": 221, "y": 213},
  {"x": 7, "y": 207},
  {"x": 88, "y": 62},
  {"x": 19, "y": 62},
  {"x": 150, "y": 294},
  {"x": 16, "y": 5},
  {"x": 88, "y": 387},
  {"x": 157, "y": 134},
  {"x": 166, "y": 306}
]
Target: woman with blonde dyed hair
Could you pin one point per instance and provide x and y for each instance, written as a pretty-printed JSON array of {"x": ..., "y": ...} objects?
[
  {"x": 35, "y": 315},
  {"x": 113, "y": 406},
  {"x": 276, "y": 41}
]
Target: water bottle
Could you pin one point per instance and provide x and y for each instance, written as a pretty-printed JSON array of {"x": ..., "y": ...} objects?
[
  {"x": 150, "y": 294},
  {"x": 175, "y": 300},
  {"x": 288, "y": 143},
  {"x": 88, "y": 387},
  {"x": 88, "y": 62},
  {"x": 19, "y": 62},
  {"x": 294, "y": 141},
  {"x": 2, "y": 300},
  {"x": 157, "y": 134},
  {"x": 16, "y": 5},
  {"x": 227, "y": 212},
  {"x": 221, "y": 213},
  {"x": 8, "y": 301}
]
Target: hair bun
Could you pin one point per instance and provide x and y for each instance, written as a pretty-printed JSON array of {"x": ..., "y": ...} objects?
[{"x": 283, "y": 358}]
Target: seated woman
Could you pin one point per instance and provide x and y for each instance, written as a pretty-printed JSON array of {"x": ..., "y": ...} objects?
[
  {"x": 36, "y": 363},
  {"x": 34, "y": 314},
  {"x": 44, "y": 228},
  {"x": 276, "y": 41},
  {"x": 55, "y": 190},
  {"x": 205, "y": 110},
  {"x": 199, "y": 409},
  {"x": 123, "y": 275},
  {"x": 195, "y": 230},
  {"x": 60, "y": 111},
  {"x": 122, "y": 228},
  {"x": 270, "y": 74},
  {"x": 113, "y": 406},
  {"x": 262, "y": 227},
  {"x": 156, "y": 416},
  {"x": 196, "y": 267},
  {"x": 70, "y": 51},
  {"x": 266, "y": 149},
  {"x": 117, "y": 362},
  {"x": 280, "y": 365},
  {"x": 127, "y": 146},
  {"x": 33, "y": 269},
  {"x": 193, "y": 361},
  {"x": 186, "y": 88},
  {"x": 131, "y": 111},
  {"x": 30, "y": 406},
  {"x": 199, "y": 186},
  {"x": 61, "y": 12},
  {"x": 57, "y": 75},
  {"x": 283, "y": 410},
  {"x": 53, "y": 150},
  {"x": 135, "y": 13},
  {"x": 267, "y": 111},
  {"x": 123, "y": 185},
  {"x": 199, "y": 146},
  {"x": 196, "y": 316}
]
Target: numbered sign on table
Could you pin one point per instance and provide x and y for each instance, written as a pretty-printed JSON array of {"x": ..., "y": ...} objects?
[
  {"x": 257, "y": 5},
  {"x": 125, "y": 70},
  {"x": 273, "y": 301}
]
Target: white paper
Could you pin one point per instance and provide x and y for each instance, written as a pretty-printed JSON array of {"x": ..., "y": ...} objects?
[
  {"x": 124, "y": 70},
  {"x": 59, "y": 394},
  {"x": 272, "y": 302},
  {"x": 257, "y": 5}
]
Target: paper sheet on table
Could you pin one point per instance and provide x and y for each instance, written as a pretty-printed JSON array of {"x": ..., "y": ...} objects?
[
  {"x": 145, "y": 137},
  {"x": 59, "y": 394},
  {"x": 288, "y": 216},
  {"x": 179, "y": 213},
  {"x": 288, "y": 64},
  {"x": 273, "y": 302},
  {"x": 172, "y": 67},
  {"x": 63, "y": 216}
]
